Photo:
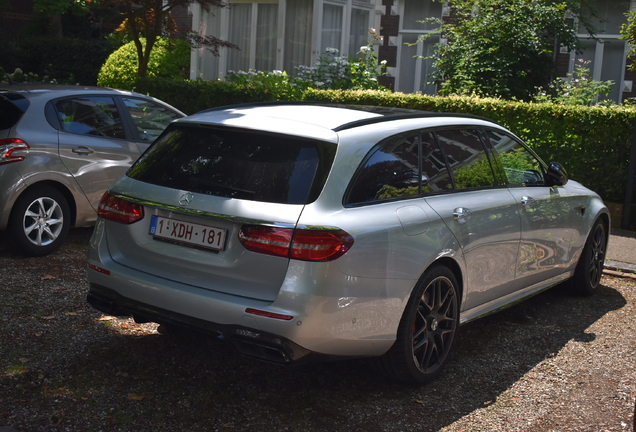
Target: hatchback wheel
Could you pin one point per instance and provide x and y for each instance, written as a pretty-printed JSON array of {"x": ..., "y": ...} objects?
[
  {"x": 39, "y": 221},
  {"x": 427, "y": 330},
  {"x": 589, "y": 270}
]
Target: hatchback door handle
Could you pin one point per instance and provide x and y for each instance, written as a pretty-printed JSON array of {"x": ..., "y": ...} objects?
[
  {"x": 82, "y": 150},
  {"x": 461, "y": 213}
]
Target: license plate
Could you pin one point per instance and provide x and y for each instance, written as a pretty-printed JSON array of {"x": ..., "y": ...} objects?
[{"x": 188, "y": 233}]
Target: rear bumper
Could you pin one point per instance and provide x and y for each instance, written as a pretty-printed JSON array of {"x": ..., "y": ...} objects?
[{"x": 248, "y": 341}]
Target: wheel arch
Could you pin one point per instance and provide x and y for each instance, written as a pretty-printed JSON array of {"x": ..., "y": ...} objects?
[
  {"x": 70, "y": 199},
  {"x": 454, "y": 267}
]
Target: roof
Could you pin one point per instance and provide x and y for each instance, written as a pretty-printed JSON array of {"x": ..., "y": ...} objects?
[{"x": 316, "y": 120}]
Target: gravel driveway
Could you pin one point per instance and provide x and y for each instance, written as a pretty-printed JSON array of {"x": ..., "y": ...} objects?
[{"x": 553, "y": 363}]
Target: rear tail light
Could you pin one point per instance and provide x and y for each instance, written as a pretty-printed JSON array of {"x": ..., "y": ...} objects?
[
  {"x": 10, "y": 150},
  {"x": 300, "y": 244},
  {"x": 119, "y": 210}
]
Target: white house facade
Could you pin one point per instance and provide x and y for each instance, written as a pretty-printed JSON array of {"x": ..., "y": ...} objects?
[{"x": 283, "y": 34}]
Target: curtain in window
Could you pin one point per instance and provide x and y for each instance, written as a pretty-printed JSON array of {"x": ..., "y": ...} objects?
[
  {"x": 208, "y": 64},
  {"x": 298, "y": 22},
  {"x": 266, "y": 35},
  {"x": 411, "y": 64},
  {"x": 331, "y": 27},
  {"x": 239, "y": 34},
  {"x": 359, "y": 30}
]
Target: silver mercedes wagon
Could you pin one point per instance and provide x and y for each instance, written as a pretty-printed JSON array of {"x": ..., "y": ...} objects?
[{"x": 303, "y": 232}]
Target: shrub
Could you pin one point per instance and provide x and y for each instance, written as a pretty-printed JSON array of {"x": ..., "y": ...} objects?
[
  {"x": 169, "y": 58},
  {"x": 578, "y": 88}
]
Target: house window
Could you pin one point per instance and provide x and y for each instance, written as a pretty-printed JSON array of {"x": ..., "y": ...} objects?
[
  {"x": 298, "y": 40},
  {"x": 332, "y": 22},
  {"x": 415, "y": 68},
  {"x": 359, "y": 34},
  {"x": 350, "y": 18},
  {"x": 280, "y": 34},
  {"x": 606, "y": 53},
  {"x": 252, "y": 26}
]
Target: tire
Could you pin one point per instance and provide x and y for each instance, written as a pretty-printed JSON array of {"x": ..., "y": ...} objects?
[
  {"x": 588, "y": 272},
  {"x": 427, "y": 330},
  {"x": 39, "y": 221}
]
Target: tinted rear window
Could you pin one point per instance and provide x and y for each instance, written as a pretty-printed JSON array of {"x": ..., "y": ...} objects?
[
  {"x": 12, "y": 106},
  {"x": 237, "y": 164}
]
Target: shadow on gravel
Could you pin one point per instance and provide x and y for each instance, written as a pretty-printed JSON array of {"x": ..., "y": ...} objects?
[{"x": 97, "y": 378}]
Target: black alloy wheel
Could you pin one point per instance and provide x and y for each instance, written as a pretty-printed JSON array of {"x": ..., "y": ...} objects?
[
  {"x": 589, "y": 270},
  {"x": 427, "y": 331}
]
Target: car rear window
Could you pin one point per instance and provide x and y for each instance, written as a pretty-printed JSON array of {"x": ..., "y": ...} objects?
[
  {"x": 12, "y": 106},
  {"x": 237, "y": 164}
]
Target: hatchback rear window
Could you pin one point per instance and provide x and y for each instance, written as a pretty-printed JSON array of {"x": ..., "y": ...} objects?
[
  {"x": 237, "y": 164},
  {"x": 12, "y": 106}
]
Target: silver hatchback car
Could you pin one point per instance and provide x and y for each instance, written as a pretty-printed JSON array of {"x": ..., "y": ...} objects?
[
  {"x": 61, "y": 147},
  {"x": 299, "y": 232}
]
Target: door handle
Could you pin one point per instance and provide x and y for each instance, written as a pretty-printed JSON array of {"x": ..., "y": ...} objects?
[
  {"x": 461, "y": 214},
  {"x": 82, "y": 150},
  {"x": 527, "y": 201}
]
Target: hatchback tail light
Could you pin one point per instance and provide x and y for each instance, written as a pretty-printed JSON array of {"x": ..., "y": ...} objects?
[
  {"x": 119, "y": 210},
  {"x": 300, "y": 244},
  {"x": 10, "y": 150}
]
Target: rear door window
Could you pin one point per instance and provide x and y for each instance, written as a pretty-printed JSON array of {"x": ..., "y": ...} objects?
[
  {"x": 91, "y": 115},
  {"x": 237, "y": 164}
]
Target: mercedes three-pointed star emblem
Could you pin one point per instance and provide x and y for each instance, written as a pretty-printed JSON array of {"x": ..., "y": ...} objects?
[{"x": 186, "y": 199}]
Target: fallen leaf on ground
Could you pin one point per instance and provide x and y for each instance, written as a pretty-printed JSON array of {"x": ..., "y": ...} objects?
[{"x": 140, "y": 397}]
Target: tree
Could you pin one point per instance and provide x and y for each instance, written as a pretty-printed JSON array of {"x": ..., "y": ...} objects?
[
  {"x": 79, "y": 18},
  {"x": 146, "y": 20},
  {"x": 53, "y": 10},
  {"x": 504, "y": 48},
  {"x": 628, "y": 32}
]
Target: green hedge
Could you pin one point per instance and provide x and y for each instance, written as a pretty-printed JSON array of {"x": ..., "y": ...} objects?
[
  {"x": 194, "y": 96},
  {"x": 58, "y": 58},
  {"x": 593, "y": 143}
]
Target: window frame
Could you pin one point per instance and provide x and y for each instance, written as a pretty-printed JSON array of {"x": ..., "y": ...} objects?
[{"x": 499, "y": 178}]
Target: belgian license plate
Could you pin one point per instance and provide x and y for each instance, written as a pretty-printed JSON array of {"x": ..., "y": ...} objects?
[{"x": 188, "y": 233}]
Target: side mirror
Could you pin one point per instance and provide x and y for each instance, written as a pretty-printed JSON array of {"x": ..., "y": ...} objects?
[{"x": 557, "y": 176}]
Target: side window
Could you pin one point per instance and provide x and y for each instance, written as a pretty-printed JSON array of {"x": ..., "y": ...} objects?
[
  {"x": 435, "y": 175},
  {"x": 91, "y": 115},
  {"x": 391, "y": 171},
  {"x": 520, "y": 166},
  {"x": 150, "y": 118},
  {"x": 467, "y": 158}
]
